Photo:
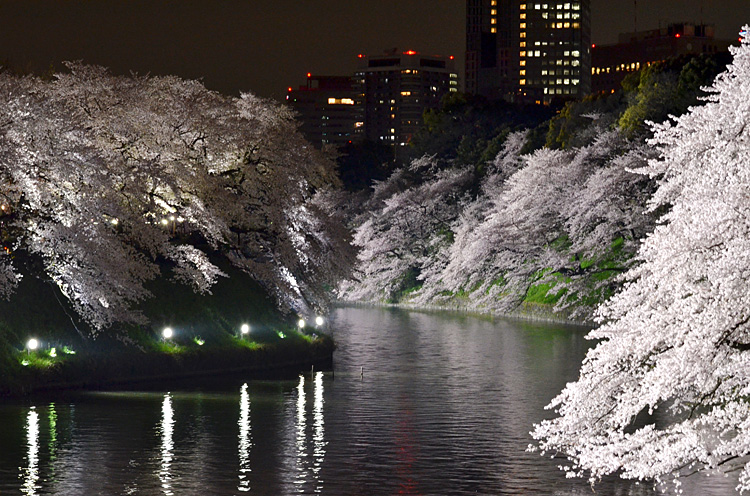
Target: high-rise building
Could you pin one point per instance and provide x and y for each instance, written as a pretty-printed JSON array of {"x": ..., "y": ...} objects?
[
  {"x": 611, "y": 63},
  {"x": 394, "y": 89},
  {"x": 326, "y": 109},
  {"x": 528, "y": 50}
]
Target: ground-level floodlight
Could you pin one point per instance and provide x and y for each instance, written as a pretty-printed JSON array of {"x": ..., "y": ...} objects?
[
  {"x": 319, "y": 321},
  {"x": 32, "y": 344},
  {"x": 301, "y": 323},
  {"x": 244, "y": 329},
  {"x": 167, "y": 333}
]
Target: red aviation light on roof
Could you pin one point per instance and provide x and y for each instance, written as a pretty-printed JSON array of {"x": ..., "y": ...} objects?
[
  {"x": 410, "y": 52},
  {"x": 289, "y": 88},
  {"x": 677, "y": 35},
  {"x": 451, "y": 57},
  {"x": 309, "y": 74},
  {"x": 360, "y": 56}
]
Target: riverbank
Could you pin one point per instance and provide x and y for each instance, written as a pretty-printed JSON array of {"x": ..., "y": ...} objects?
[{"x": 55, "y": 370}]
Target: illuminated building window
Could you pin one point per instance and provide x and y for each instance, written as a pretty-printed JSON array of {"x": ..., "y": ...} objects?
[
  {"x": 523, "y": 16},
  {"x": 493, "y": 21},
  {"x": 523, "y": 54},
  {"x": 566, "y": 25},
  {"x": 537, "y": 6},
  {"x": 523, "y": 25},
  {"x": 406, "y": 93},
  {"x": 522, "y": 63},
  {"x": 522, "y": 44},
  {"x": 559, "y": 15},
  {"x": 523, "y": 34},
  {"x": 576, "y": 6},
  {"x": 559, "y": 25},
  {"x": 493, "y": 30},
  {"x": 575, "y": 53},
  {"x": 522, "y": 82},
  {"x": 545, "y": 15},
  {"x": 493, "y": 3},
  {"x": 523, "y": 6},
  {"x": 566, "y": 6},
  {"x": 522, "y": 72},
  {"x": 340, "y": 101},
  {"x": 493, "y": 12}
]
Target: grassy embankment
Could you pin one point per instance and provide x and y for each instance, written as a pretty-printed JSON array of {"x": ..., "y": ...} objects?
[{"x": 206, "y": 338}]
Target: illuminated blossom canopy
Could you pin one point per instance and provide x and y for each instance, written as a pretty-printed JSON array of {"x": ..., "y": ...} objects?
[
  {"x": 108, "y": 182},
  {"x": 665, "y": 392}
]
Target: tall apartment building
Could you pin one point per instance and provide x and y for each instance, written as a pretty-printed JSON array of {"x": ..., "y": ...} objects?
[
  {"x": 528, "y": 51},
  {"x": 326, "y": 109},
  {"x": 393, "y": 90},
  {"x": 611, "y": 63}
]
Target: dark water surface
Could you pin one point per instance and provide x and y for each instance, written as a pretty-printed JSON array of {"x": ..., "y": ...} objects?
[{"x": 444, "y": 407}]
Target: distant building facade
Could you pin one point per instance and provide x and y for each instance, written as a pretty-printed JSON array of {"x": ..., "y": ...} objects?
[
  {"x": 611, "y": 63},
  {"x": 393, "y": 90},
  {"x": 528, "y": 51},
  {"x": 326, "y": 108}
]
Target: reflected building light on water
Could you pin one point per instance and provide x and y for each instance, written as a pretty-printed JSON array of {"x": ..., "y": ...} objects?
[
  {"x": 167, "y": 444},
  {"x": 245, "y": 440},
  {"x": 31, "y": 473},
  {"x": 52, "y": 414}
]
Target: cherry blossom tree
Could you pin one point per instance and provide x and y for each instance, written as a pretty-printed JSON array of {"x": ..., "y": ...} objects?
[
  {"x": 107, "y": 182},
  {"x": 665, "y": 392}
]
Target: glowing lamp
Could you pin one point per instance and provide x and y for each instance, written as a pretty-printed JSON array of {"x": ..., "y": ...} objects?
[
  {"x": 677, "y": 35},
  {"x": 244, "y": 329},
  {"x": 164, "y": 222},
  {"x": 319, "y": 320},
  {"x": 167, "y": 333},
  {"x": 309, "y": 74},
  {"x": 301, "y": 323},
  {"x": 32, "y": 344}
]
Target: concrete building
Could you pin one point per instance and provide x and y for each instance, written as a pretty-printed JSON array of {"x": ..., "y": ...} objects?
[
  {"x": 394, "y": 89},
  {"x": 611, "y": 63},
  {"x": 528, "y": 51},
  {"x": 326, "y": 108}
]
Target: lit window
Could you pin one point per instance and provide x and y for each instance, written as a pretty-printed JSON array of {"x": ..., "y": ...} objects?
[
  {"x": 537, "y": 6},
  {"x": 406, "y": 93},
  {"x": 522, "y": 63},
  {"x": 566, "y": 25},
  {"x": 576, "y": 25},
  {"x": 559, "y": 25},
  {"x": 576, "y": 6},
  {"x": 493, "y": 21},
  {"x": 566, "y": 6},
  {"x": 523, "y": 54},
  {"x": 493, "y": 12},
  {"x": 522, "y": 82},
  {"x": 522, "y": 44},
  {"x": 523, "y": 34},
  {"x": 340, "y": 101},
  {"x": 523, "y": 25},
  {"x": 523, "y": 6},
  {"x": 523, "y": 16},
  {"x": 493, "y": 3},
  {"x": 575, "y": 53},
  {"x": 537, "y": 53},
  {"x": 522, "y": 72},
  {"x": 493, "y": 30}
]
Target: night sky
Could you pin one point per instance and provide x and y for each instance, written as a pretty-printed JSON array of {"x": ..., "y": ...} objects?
[{"x": 264, "y": 46}]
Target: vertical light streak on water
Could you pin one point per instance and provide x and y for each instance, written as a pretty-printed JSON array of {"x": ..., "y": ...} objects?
[
  {"x": 319, "y": 442},
  {"x": 245, "y": 440},
  {"x": 167, "y": 444},
  {"x": 31, "y": 473},
  {"x": 52, "y": 415},
  {"x": 301, "y": 434}
]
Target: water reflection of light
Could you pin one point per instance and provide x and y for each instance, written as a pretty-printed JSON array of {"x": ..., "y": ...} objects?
[
  {"x": 301, "y": 433},
  {"x": 167, "y": 445},
  {"x": 31, "y": 473},
  {"x": 52, "y": 432},
  {"x": 319, "y": 442},
  {"x": 245, "y": 442}
]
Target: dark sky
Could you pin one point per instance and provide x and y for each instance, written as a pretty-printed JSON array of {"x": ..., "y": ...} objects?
[{"x": 264, "y": 46}]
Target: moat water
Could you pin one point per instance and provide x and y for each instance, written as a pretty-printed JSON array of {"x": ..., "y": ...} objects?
[{"x": 418, "y": 403}]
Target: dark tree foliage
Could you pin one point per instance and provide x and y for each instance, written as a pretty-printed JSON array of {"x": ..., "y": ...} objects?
[
  {"x": 471, "y": 129},
  {"x": 362, "y": 163}
]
